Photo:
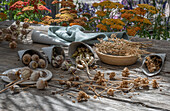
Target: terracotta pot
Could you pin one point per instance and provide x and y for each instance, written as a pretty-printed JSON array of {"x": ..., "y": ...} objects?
[{"x": 117, "y": 60}]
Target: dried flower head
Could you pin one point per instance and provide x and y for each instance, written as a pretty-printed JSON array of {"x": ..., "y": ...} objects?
[
  {"x": 26, "y": 59},
  {"x": 13, "y": 45},
  {"x": 41, "y": 63}
]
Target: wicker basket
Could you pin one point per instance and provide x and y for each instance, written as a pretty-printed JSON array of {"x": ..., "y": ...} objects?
[{"x": 117, "y": 60}]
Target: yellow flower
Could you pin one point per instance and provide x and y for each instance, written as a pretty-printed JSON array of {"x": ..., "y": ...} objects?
[
  {"x": 101, "y": 13},
  {"x": 146, "y": 21},
  {"x": 102, "y": 27},
  {"x": 95, "y": 4},
  {"x": 57, "y": 15},
  {"x": 118, "y": 27}
]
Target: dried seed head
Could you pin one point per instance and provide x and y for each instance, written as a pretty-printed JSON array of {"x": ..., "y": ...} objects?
[
  {"x": 62, "y": 82},
  {"x": 41, "y": 63},
  {"x": 7, "y": 31},
  {"x": 16, "y": 34},
  {"x": 13, "y": 27},
  {"x": 35, "y": 76},
  {"x": 24, "y": 32},
  {"x": 8, "y": 37},
  {"x": 112, "y": 75},
  {"x": 26, "y": 59},
  {"x": 12, "y": 76},
  {"x": 25, "y": 25},
  {"x": 15, "y": 89},
  {"x": 65, "y": 66},
  {"x": 18, "y": 22},
  {"x": 82, "y": 96},
  {"x": 41, "y": 84},
  {"x": 43, "y": 74},
  {"x": 33, "y": 64},
  {"x": 125, "y": 72},
  {"x": 13, "y": 45},
  {"x": 154, "y": 84},
  {"x": 68, "y": 83},
  {"x": 26, "y": 73},
  {"x": 110, "y": 92},
  {"x": 35, "y": 57}
]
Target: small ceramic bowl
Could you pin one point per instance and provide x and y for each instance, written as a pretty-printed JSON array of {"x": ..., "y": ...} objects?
[{"x": 117, "y": 60}]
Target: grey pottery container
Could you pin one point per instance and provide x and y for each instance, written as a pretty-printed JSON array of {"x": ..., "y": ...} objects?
[
  {"x": 49, "y": 51},
  {"x": 21, "y": 53},
  {"x": 145, "y": 70},
  {"x": 73, "y": 47}
]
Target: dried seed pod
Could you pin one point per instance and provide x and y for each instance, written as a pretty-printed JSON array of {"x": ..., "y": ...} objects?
[
  {"x": 25, "y": 25},
  {"x": 8, "y": 37},
  {"x": 16, "y": 34},
  {"x": 26, "y": 59},
  {"x": 62, "y": 82},
  {"x": 41, "y": 84},
  {"x": 82, "y": 96},
  {"x": 1, "y": 38},
  {"x": 13, "y": 45},
  {"x": 43, "y": 74},
  {"x": 33, "y": 64},
  {"x": 65, "y": 66},
  {"x": 15, "y": 89},
  {"x": 125, "y": 72},
  {"x": 154, "y": 84},
  {"x": 112, "y": 75},
  {"x": 68, "y": 83},
  {"x": 35, "y": 57},
  {"x": 110, "y": 92},
  {"x": 24, "y": 32},
  {"x": 17, "y": 22},
  {"x": 12, "y": 75},
  {"x": 41, "y": 63},
  {"x": 26, "y": 72},
  {"x": 35, "y": 76},
  {"x": 13, "y": 27}
]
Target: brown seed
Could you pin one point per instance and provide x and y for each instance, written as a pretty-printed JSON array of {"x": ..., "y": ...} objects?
[
  {"x": 26, "y": 59},
  {"x": 35, "y": 57},
  {"x": 73, "y": 101},
  {"x": 94, "y": 96}
]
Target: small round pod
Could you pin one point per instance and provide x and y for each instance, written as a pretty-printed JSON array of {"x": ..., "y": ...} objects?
[
  {"x": 41, "y": 63},
  {"x": 41, "y": 84},
  {"x": 43, "y": 74},
  {"x": 65, "y": 66},
  {"x": 12, "y": 76},
  {"x": 26, "y": 59},
  {"x": 73, "y": 48},
  {"x": 33, "y": 64},
  {"x": 35, "y": 57},
  {"x": 26, "y": 73},
  {"x": 35, "y": 76}
]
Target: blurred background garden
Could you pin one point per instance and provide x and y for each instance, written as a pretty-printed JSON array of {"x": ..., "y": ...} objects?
[{"x": 142, "y": 18}]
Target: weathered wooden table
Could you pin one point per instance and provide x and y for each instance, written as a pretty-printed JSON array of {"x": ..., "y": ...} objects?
[{"x": 33, "y": 99}]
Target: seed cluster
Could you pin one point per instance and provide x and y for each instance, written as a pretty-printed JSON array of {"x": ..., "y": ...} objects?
[
  {"x": 33, "y": 61},
  {"x": 153, "y": 63},
  {"x": 121, "y": 47},
  {"x": 14, "y": 34}
]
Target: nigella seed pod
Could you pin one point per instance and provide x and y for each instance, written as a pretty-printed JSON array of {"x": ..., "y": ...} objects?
[
  {"x": 25, "y": 25},
  {"x": 13, "y": 45},
  {"x": 35, "y": 57},
  {"x": 33, "y": 64},
  {"x": 41, "y": 63},
  {"x": 26, "y": 59},
  {"x": 13, "y": 27},
  {"x": 18, "y": 22}
]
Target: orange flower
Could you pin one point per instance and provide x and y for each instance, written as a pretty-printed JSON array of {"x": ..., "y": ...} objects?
[
  {"x": 43, "y": 2},
  {"x": 95, "y": 4},
  {"x": 101, "y": 13},
  {"x": 131, "y": 31},
  {"x": 118, "y": 27},
  {"x": 3, "y": 16},
  {"x": 55, "y": 2},
  {"x": 19, "y": 13},
  {"x": 28, "y": 8},
  {"x": 42, "y": 7},
  {"x": 71, "y": 24},
  {"x": 64, "y": 24},
  {"x": 102, "y": 27},
  {"x": 140, "y": 11}
]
